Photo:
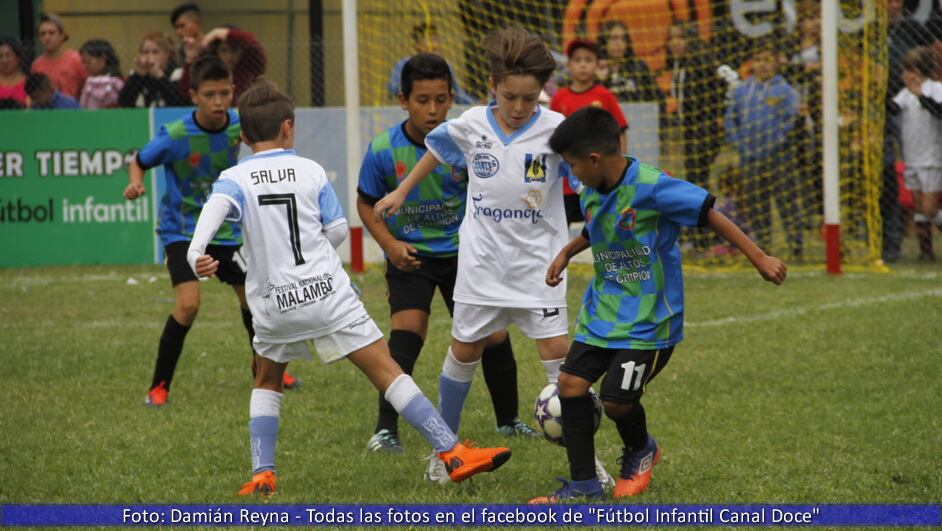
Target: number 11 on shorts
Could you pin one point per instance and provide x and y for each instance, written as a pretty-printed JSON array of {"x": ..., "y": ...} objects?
[{"x": 629, "y": 382}]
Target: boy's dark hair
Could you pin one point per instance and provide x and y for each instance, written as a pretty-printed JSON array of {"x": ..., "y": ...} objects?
[
  {"x": 920, "y": 59},
  {"x": 208, "y": 67},
  {"x": 263, "y": 107},
  {"x": 37, "y": 82},
  {"x": 587, "y": 130},
  {"x": 422, "y": 31},
  {"x": 424, "y": 66},
  {"x": 516, "y": 51},
  {"x": 183, "y": 9},
  {"x": 583, "y": 44},
  {"x": 102, "y": 49}
]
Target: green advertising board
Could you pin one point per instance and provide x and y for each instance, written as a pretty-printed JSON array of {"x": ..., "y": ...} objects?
[{"x": 62, "y": 174}]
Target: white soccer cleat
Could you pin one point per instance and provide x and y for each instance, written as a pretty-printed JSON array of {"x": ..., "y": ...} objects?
[
  {"x": 605, "y": 478},
  {"x": 436, "y": 471}
]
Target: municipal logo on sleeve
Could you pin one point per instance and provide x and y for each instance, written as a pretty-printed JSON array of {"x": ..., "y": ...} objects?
[{"x": 535, "y": 168}]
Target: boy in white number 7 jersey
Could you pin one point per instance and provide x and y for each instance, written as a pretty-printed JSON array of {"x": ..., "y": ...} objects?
[{"x": 297, "y": 288}]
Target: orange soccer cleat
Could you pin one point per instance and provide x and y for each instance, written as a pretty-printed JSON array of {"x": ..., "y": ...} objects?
[
  {"x": 158, "y": 395},
  {"x": 290, "y": 382},
  {"x": 464, "y": 460},
  {"x": 262, "y": 484},
  {"x": 636, "y": 470}
]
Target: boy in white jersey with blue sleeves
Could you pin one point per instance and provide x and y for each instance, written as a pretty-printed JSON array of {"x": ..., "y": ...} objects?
[
  {"x": 632, "y": 313},
  {"x": 297, "y": 288},
  {"x": 514, "y": 222}
]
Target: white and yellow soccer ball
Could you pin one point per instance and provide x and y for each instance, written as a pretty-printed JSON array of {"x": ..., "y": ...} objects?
[{"x": 549, "y": 413}]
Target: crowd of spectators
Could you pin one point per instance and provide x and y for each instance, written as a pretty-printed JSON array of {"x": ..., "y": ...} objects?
[{"x": 92, "y": 77}]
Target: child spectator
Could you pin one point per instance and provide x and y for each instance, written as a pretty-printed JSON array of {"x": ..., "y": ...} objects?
[
  {"x": 919, "y": 105},
  {"x": 695, "y": 102},
  {"x": 425, "y": 40},
  {"x": 583, "y": 91},
  {"x": 104, "y": 81},
  {"x": 242, "y": 54},
  {"x": 62, "y": 65},
  {"x": 629, "y": 78},
  {"x": 758, "y": 121},
  {"x": 12, "y": 78},
  {"x": 43, "y": 96},
  {"x": 153, "y": 80},
  {"x": 632, "y": 313}
]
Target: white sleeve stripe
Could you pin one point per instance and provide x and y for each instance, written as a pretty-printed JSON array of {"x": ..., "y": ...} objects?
[{"x": 334, "y": 223}]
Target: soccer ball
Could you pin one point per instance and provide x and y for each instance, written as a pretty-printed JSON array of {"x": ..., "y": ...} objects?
[{"x": 549, "y": 413}]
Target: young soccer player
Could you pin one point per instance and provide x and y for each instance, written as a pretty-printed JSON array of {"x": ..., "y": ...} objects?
[
  {"x": 421, "y": 243},
  {"x": 298, "y": 290},
  {"x": 193, "y": 150},
  {"x": 583, "y": 91},
  {"x": 515, "y": 222},
  {"x": 632, "y": 312}
]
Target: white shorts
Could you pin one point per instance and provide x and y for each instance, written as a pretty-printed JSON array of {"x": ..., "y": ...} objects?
[
  {"x": 928, "y": 179},
  {"x": 472, "y": 322},
  {"x": 331, "y": 347}
]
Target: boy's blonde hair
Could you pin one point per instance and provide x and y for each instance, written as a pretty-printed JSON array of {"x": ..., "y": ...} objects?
[
  {"x": 263, "y": 107},
  {"x": 516, "y": 51}
]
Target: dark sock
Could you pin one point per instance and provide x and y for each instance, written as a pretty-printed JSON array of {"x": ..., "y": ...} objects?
[
  {"x": 500, "y": 375},
  {"x": 168, "y": 352},
  {"x": 924, "y": 235},
  {"x": 405, "y": 348},
  {"x": 247, "y": 323},
  {"x": 579, "y": 434},
  {"x": 633, "y": 428}
]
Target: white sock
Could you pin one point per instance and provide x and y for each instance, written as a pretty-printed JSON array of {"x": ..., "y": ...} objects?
[
  {"x": 457, "y": 370},
  {"x": 265, "y": 403},
  {"x": 937, "y": 220},
  {"x": 552, "y": 369}
]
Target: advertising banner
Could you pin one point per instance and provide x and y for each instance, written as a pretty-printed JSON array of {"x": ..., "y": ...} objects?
[{"x": 62, "y": 174}]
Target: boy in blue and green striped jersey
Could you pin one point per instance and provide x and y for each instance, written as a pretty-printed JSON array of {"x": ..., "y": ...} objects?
[
  {"x": 632, "y": 313},
  {"x": 194, "y": 150},
  {"x": 421, "y": 242}
]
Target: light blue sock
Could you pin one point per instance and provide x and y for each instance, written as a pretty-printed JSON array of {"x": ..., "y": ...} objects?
[
  {"x": 418, "y": 411},
  {"x": 264, "y": 411},
  {"x": 263, "y": 433},
  {"x": 451, "y": 397}
]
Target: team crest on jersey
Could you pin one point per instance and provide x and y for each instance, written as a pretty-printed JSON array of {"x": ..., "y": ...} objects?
[
  {"x": 195, "y": 159},
  {"x": 626, "y": 219},
  {"x": 485, "y": 165},
  {"x": 400, "y": 170},
  {"x": 484, "y": 143},
  {"x": 535, "y": 166},
  {"x": 457, "y": 175}
]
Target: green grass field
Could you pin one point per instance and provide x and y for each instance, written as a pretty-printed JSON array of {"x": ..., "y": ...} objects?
[{"x": 824, "y": 390}]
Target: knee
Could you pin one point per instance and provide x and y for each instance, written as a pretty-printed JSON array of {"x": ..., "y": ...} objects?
[
  {"x": 616, "y": 411},
  {"x": 572, "y": 386},
  {"x": 187, "y": 309}
]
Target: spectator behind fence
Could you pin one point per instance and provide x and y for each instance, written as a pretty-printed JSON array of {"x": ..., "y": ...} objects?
[
  {"x": 241, "y": 52},
  {"x": 695, "y": 101},
  {"x": 583, "y": 91},
  {"x": 758, "y": 121},
  {"x": 902, "y": 34},
  {"x": 104, "y": 81},
  {"x": 425, "y": 40},
  {"x": 12, "y": 78},
  {"x": 919, "y": 105},
  {"x": 187, "y": 21},
  {"x": 628, "y": 78},
  {"x": 42, "y": 95},
  {"x": 62, "y": 65},
  {"x": 153, "y": 81}
]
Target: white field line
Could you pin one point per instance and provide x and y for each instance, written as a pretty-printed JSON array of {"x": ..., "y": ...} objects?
[{"x": 803, "y": 310}]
